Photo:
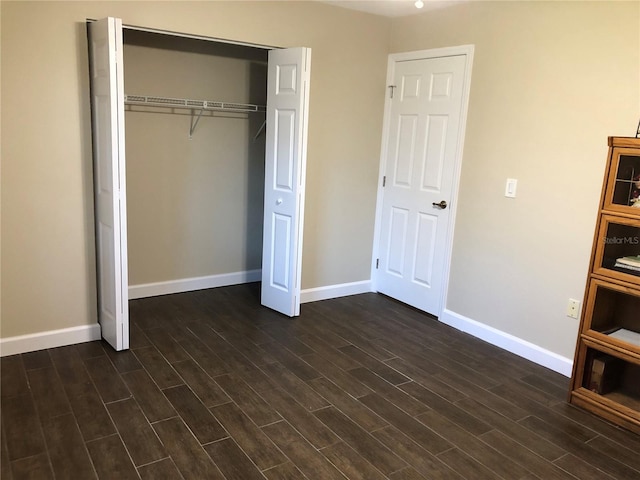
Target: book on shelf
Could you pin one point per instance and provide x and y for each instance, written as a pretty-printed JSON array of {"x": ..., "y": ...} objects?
[
  {"x": 625, "y": 335},
  {"x": 629, "y": 263},
  {"x": 605, "y": 373},
  {"x": 632, "y": 261},
  {"x": 627, "y": 267}
]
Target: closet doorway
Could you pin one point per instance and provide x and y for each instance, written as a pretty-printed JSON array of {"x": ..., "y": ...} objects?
[{"x": 285, "y": 136}]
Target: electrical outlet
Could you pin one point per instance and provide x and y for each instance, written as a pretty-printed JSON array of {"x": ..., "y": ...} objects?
[{"x": 573, "y": 308}]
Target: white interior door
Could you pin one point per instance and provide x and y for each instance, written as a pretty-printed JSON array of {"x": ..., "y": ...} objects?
[
  {"x": 286, "y": 151},
  {"x": 107, "y": 106},
  {"x": 423, "y": 120}
]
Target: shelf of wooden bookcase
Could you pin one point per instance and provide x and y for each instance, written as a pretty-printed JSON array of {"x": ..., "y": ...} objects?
[
  {"x": 611, "y": 305},
  {"x": 616, "y": 407},
  {"x": 590, "y": 342},
  {"x": 605, "y": 344},
  {"x": 618, "y": 236},
  {"x": 627, "y": 148},
  {"x": 622, "y": 405}
]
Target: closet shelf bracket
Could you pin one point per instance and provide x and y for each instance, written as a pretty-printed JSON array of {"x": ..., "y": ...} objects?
[
  {"x": 194, "y": 124},
  {"x": 260, "y": 130}
]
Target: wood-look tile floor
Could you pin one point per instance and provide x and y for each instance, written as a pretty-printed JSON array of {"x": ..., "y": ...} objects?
[{"x": 362, "y": 387}]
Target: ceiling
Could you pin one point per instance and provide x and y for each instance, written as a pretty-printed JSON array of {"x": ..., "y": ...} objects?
[{"x": 389, "y": 8}]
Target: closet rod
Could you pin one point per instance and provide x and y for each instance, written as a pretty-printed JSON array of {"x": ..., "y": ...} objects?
[{"x": 193, "y": 104}]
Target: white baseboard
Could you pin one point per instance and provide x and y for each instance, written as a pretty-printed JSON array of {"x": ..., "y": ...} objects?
[
  {"x": 88, "y": 333},
  {"x": 49, "y": 339},
  {"x": 191, "y": 284},
  {"x": 508, "y": 342},
  {"x": 334, "y": 291}
]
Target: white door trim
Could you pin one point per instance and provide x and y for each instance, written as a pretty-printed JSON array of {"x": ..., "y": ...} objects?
[
  {"x": 192, "y": 35},
  {"x": 466, "y": 50}
]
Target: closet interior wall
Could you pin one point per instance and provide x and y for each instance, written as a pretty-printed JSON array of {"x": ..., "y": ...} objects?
[{"x": 194, "y": 205}]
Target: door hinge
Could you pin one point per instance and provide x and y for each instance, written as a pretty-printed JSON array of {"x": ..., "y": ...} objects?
[
  {"x": 391, "y": 90},
  {"x": 377, "y": 263},
  {"x": 384, "y": 180}
]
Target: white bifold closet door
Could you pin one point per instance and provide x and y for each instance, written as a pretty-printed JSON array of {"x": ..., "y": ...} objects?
[
  {"x": 285, "y": 160},
  {"x": 107, "y": 109},
  {"x": 287, "y": 114}
]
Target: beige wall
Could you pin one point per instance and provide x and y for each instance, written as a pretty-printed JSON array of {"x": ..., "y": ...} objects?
[
  {"x": 194, "y": 204},
  {"x": 550, "y": 82},
  {"x": 48, "y": 258}
]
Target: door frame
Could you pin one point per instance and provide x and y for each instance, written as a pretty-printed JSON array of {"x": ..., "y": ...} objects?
[{"x": 467, "y": 51}]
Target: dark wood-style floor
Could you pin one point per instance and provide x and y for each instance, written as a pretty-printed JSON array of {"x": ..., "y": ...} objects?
[{"x": 216, "y": 387}]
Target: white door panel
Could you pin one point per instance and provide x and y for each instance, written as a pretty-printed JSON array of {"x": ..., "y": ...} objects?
[
  {"x": 423, "y": 129},
  {"x": 437, "y": 127},
  {"x": 426, "y": 229},
  {"x": 397, "y": 240},
  {"x": 107, "y": 106},
  {"x": 285, "y": 160},
  {"x": 405, "y": 150}
]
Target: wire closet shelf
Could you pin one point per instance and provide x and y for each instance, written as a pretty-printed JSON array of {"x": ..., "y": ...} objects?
[
  {"x": 201, "y": 105},
  {"x": 193, "y": 104}
]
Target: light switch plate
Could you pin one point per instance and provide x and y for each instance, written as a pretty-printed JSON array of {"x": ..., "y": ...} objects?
[{"x": 510, "y": 188}]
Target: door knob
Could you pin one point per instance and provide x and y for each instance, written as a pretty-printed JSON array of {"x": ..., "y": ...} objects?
[
  {"x": 279, "y": 201},
  {"x": 442, "y": 204}
]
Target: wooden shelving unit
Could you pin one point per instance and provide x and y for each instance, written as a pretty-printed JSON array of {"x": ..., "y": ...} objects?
[{"x": 606, "y": 368}]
